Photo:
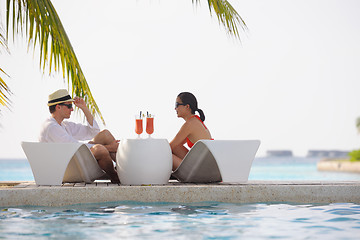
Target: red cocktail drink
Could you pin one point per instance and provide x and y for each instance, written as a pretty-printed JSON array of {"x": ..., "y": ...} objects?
[
  {"x": 139, "y": 126},
  {"x": 150, "y": 125}
]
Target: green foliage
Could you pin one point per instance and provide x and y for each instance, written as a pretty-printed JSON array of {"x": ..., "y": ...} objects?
[
  {"x": 4, "y": 89},
  {"x": 354, "y": 155},
  {"x": 358, "y": 124},
  {"x": 228, "y": 17},
  {"x": 41, "y": 24}
]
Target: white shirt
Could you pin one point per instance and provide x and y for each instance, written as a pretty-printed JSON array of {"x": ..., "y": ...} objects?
[{"x": 67, "y": 132}]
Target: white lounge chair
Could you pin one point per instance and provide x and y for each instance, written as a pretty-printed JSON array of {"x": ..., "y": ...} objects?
[
  {"x": 218, "y": 161},
  {"x": 56, "y": 163}
]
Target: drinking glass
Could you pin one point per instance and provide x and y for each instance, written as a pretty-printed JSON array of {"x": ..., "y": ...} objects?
[
  {"x": 150, "y": 125},
  {"x": 138, "y": 125}
]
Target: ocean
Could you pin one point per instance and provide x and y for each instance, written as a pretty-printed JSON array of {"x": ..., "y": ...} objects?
[{"x": 263, "y": 168}]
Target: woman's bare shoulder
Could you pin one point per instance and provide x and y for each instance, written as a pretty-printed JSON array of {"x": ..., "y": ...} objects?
[
  {"x": 191, "y": 122},
  {"x": 194, "y": 121}
]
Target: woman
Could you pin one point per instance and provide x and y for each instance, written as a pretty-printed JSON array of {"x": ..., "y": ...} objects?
[{"x": 193, "y": 129}]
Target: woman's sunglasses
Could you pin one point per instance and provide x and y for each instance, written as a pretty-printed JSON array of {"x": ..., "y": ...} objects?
[
  {"x": 179, "y": 104},
  {"x": 69, "y": 106}
]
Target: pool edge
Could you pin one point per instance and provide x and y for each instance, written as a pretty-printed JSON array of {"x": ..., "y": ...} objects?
[{"x": 27, "y": 193}]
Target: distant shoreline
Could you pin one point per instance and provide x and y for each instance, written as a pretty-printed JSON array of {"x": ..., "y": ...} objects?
[{"x": 338, "y": 165}]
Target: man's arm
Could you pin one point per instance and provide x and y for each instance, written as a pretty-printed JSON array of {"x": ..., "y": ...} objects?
[{"x": 80, "y": 103}]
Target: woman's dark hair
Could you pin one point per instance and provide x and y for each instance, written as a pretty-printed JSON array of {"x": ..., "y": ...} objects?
[{"x": 189, "y": 98}]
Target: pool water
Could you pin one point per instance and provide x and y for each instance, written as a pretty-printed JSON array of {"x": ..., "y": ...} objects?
[{"x": 205, "y": 220}]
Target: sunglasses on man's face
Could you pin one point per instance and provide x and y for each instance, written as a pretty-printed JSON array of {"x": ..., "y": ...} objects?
[
  {"x": 69, "y": 106},
  {"x": 179, "y": 104}
]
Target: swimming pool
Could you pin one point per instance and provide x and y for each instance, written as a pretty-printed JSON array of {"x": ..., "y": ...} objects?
[{"x": 205, "y": 220}]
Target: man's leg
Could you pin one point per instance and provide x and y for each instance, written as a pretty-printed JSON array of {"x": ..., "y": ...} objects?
[
  {"x": 108, "y": 140},
  {"x": 103, "y": 157}
]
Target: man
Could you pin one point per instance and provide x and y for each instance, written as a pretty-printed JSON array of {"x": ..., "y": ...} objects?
[{"x": 103, "y": 145}]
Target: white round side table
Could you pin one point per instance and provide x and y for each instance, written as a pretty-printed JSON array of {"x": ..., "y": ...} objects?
[{"x": 144, "y": 161}]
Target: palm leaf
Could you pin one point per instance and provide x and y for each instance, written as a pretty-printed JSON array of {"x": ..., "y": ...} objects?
[
  {"x": 3, "y": 42},
  {"x": 41, "y": 24},
  {"x": 227, "y": 16},
  {"x": 358, "y": 124},
  {"x": 4, "y": 89},
  {"x": 43, "y": 28}
]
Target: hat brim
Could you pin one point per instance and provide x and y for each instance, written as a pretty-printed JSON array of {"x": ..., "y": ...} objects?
[{"x": 54, "y": 103}]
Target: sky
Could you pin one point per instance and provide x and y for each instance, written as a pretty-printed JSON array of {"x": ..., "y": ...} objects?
[{"x": 292, "y": 82}]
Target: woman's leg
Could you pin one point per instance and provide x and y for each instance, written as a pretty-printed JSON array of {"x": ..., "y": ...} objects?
[
  {"x": 176, "y": 162},
  {"x": 178, "y": 155}
]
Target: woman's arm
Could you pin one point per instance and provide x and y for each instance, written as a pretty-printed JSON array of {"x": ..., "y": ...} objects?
[
  {"x": 177, "y": 148},
  {"x": 180, "y": 137}
]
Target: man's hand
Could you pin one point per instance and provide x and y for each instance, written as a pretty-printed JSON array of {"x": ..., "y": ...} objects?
[{"x": 79, "y": 102}]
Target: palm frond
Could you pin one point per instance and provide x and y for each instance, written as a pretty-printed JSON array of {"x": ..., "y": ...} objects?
[
  {"x": 42, "y": 26},
  {"x": 4, "y": 91},
  {"x": 3, "y": 42},
  {"x": 358, "y": 124},
  {"x": 227, "y": 16}
]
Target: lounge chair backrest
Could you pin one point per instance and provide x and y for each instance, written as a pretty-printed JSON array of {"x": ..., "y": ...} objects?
[
  {"x": 218, "y": 160},
  {"x": 55, "y": 163}
]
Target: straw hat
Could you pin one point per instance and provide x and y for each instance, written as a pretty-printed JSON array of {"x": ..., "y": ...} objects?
[{"x": 59, "y": 96}]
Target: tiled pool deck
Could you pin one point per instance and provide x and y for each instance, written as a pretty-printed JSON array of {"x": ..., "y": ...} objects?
[{"x": 28, "y": 193}]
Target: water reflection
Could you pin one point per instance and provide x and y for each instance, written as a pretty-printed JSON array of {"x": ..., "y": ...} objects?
[{"x": 205, "y": 220}]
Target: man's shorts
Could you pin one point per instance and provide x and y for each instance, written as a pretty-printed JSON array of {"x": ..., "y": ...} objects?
[{"x": 89, "y": 145}]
